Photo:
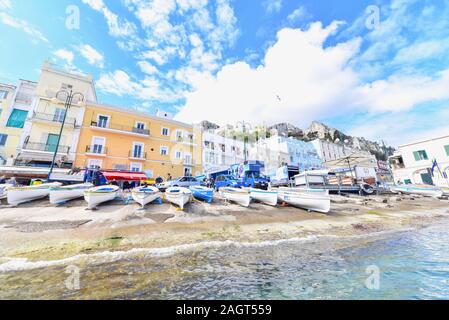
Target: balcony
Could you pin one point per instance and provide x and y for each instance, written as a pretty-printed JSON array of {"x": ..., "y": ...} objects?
[
  {"x": 52, "y": 118},
  {"x": 97, "y": 150},
  {"x": 187, "y": 140},
  {"x": 120, "y": 129},
  {"x": 44, "y": 147},
  {"x": 137, "y": 155}
]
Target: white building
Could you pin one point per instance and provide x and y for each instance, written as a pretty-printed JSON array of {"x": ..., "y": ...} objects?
[
  {"x": 412, "y": 163},
  {"x": 329, "y": 151},
  {"x": 219, "y": 152},
  {"x": 41, "y": 129},
  {"x": 278, "y": 151}
]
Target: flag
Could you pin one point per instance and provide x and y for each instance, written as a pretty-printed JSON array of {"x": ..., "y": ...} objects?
[{"x": 434, "y": 165}]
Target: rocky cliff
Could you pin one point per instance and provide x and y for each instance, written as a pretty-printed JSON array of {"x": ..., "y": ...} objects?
[{"x": 319, "y": 130}]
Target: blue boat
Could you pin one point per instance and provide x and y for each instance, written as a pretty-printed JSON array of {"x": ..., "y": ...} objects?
[{"x": 202, "y": 193}]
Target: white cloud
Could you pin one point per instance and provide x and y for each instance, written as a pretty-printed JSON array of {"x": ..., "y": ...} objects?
[
  {"x": 297, "y": 14},
  {"x": 121, "y": 84},
  {"x": 147, "y": 67},
  {"x": 117, "y": 27},
  {"x": 65, "y": 55},
  {"x": 22, "y": 25},
  {"x": 118, "y": 83},
  {"x": 5, "y": 4},
  {"x": 272, "y": 5},
  {"x": 313, "y": 82},
  {"x": 92, "y": 56}
]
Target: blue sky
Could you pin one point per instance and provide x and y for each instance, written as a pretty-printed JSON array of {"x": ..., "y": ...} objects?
[{"x": 264, "y": 61}]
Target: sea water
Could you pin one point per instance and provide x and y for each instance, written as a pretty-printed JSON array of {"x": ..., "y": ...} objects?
[{"x": 407, "y": 264}]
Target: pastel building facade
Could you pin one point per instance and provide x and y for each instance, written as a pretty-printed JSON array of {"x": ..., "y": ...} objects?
[
  {"x": 114, "y": 138},
  {"x": 412, "y": 163},
  {"x": 16, "y": 103},
  {"x": 220, "y": 152},
  {"x": 329, "y": 151},
  {"x": 42, "y": 127},
  {"x": 278, "y": 151}
]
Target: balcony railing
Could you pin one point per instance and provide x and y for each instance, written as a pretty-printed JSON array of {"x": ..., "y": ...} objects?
[
  {"x": 37, "y": 146},
  {"x": 112, "y": 126},
  {"x": 53, "y": 118},
  {"x": 97, "y": 149},
  {"x": 136, "y": 155}
]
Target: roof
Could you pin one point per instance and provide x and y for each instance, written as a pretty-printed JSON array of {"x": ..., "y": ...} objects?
[
  {"x": 137, "y": 113},
  {"x": 424, "y": 140}
]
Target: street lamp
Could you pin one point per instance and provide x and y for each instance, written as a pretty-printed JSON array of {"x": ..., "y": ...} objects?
[
  {"x": 245, "y": 138},
  {"x": 69, "y": 96}
]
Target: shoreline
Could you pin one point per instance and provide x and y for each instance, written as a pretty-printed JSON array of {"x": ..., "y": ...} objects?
[{"x": 52, "y": 234}]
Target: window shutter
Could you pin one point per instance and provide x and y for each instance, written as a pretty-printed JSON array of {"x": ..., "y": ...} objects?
[
  {"x": 447, "y": 149},
  {"x": 416, "y": 155}
]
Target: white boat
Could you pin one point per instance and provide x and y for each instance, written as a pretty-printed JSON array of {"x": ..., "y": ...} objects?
[
  {"x": 3, "y": 190},
  {"x": 239, "y": 196},
  {"x": 445, "y": 191},
  {"x": 309, "y": 199},
  {"x": 179, "y": 196},
  {"x": 145, "y": 195},
  {"x": 267, "y": 197},
  {"x": 98, "y": 195},
  {"x": 18, "y": 195},
  {"x": 418, "y": 189},
  {"x": 59, "y": 195}
]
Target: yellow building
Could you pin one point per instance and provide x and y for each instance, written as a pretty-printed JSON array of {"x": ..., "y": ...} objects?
[
  {"x": 120, "y": 139},
  {"x": 41, "y": 130},
  {"x": 15, "y": 104}
]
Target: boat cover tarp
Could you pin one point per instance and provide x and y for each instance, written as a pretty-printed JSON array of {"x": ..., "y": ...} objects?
[{"x": 125, "y": 176}]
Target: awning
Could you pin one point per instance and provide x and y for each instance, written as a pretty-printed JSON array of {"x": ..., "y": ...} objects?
[{"x": 125, "y": 176}]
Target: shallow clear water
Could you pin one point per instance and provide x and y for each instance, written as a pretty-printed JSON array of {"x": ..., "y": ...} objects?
[{"x": 413, "y": 265}]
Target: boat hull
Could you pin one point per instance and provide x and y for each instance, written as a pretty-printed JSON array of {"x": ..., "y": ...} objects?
[
  {"x": 445, "y": 191},
  {"x": 99, "y": 195},
  {"x": 239, "y": 196},
  {"x": 145, "y": 195},
  {"x": 21, "y": 195},
  {"x": 266, "y": 197},
  {"x": 61, "y": 195},
  {"x": 203, "y": 193},
  {"x": 416, "y": 190},
  {"x": 309, "y": 199},
  {"x": 4, "y": 190},
  {"x": 178, "y": 196}
]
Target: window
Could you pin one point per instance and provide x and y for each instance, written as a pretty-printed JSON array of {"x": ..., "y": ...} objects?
[
  {"x": 188, "y": 159},
  {"x": 408, "y": 181},
  {"x": 119, "y": 167},
  {"x": 178, "y": 155},
  {"x": 3, "y": 94},
  {"x": 420, "y": 155},
  {"x": 164, "y": 151},
  {"x": 178, "y": 134},
  {"x": 3, "y": 138},
  {"x": 136, "y": 167},
  {"x": 103, "y": 121},
  {"x": 447, "y": 149},
  {"x": 17, "y": 118},
  {"x": 222, "y": 147},
  {"x": 98, "y": 144},
  {"x": 165, "y": 132},
  {"x": 52, "y": 142},
  {"x": 94, "y": 163},
  {"x": 137, "y": 150},
  {"x": 140, "y": 126},
  {"x": 59, "y": 115}
]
